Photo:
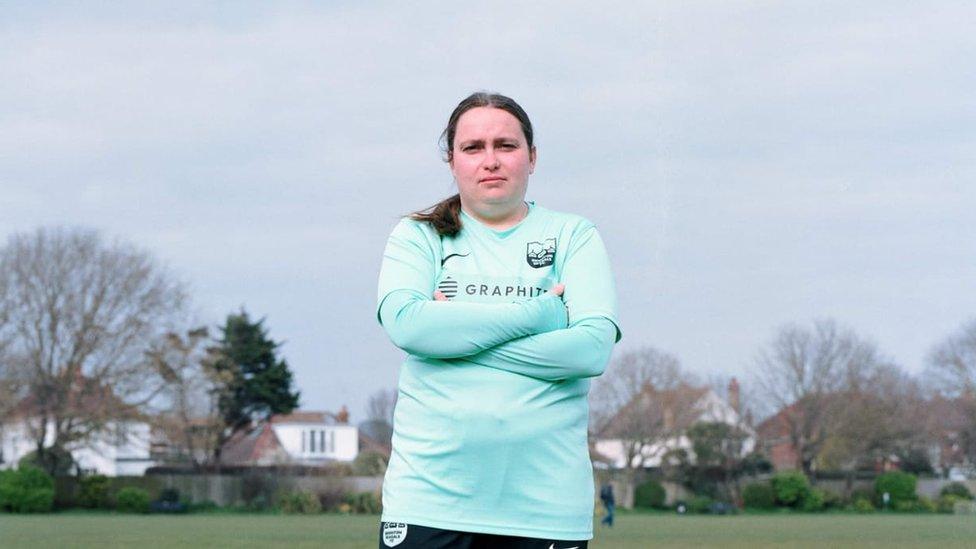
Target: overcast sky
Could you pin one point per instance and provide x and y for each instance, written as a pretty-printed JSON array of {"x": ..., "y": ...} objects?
[{"x": 748, "y": 163}]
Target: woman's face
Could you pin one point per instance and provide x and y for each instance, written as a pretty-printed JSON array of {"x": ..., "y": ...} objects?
[{"x": 491, "y": 161}]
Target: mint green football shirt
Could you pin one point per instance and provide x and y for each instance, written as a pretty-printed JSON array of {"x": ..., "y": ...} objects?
[{"x": 490, "y": 425}]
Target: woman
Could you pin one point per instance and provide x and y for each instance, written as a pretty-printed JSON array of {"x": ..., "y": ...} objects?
[{"x": 506, "y": 310}]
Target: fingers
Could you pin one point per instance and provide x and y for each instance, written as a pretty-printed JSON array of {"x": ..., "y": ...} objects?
[
  {"x": 439, "y": 296},
  {"x": 558, "y": 289}
]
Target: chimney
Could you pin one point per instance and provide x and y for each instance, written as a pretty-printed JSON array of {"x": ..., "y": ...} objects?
[
  {"x": 343, "y": 415},
  {"x": 734, "y": 395}
]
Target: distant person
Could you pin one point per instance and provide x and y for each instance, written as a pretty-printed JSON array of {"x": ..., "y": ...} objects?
[
  {"x": 606, "y": 496},
  {"x": 505, "y": 310}
]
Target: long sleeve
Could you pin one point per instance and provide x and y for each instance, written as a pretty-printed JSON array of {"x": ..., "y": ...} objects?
[
  {"x": 444, "y": 329},
  {"x": 582, "y": 350}
]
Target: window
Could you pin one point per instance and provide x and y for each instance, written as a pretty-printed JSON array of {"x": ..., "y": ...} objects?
[
  {"x": 322, "y": 442},
  {"x": 332, "y": 441},
  {"x": 303, "y": 442}
]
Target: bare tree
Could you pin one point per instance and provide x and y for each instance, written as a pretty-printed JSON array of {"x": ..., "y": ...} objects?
[
  {"x": 952, "y": 363},
  {"x": 380, "y": 405},
  {"x": 641, "y": 404},
  {"x": 952, "y": 369},
  {"x": 80, "y": 314},
  {"x": 9, "y": 376},
  {"x": 876, "y": 415},
  {"x": 804, "y": 372},
  {"x": 187, "y": 405},
  {"x": 379, "y": 417}
]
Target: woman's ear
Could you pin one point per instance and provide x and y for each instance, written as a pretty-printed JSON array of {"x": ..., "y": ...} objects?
[{"x": 532, "y": 157}]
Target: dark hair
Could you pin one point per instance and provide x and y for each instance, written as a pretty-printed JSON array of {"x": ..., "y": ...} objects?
[{"x": 445, "y": 216}]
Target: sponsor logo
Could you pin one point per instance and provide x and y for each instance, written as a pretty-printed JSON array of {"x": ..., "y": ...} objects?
[
  {"x": 394, "y": 533},
  {"x": 502, "y": 291},
  {"x": 540, "y": 254},
  {"x": 448, "y": 287},
  {"x": 553, "y": 546}
]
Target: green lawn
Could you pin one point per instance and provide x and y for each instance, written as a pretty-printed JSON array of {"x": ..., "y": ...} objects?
[{"x": 354, "y": 532}]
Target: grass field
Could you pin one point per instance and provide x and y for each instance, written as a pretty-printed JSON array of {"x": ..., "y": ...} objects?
[{"x": 359, "y": 532}]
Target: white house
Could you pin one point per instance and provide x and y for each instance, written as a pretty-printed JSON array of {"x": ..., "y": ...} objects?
[
  {"x": 675, "y": 410},
  {"x": 299, "y": 438},
  {"x": 122, "y": 449}
]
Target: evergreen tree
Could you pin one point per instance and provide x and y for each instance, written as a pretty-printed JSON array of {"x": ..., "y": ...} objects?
[{"x": 252, "y": 382}]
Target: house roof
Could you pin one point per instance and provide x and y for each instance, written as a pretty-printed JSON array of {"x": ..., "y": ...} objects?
[
  {"x": 679, "y": 404},
  {"x": 308, "y": 416},
  {"x": 250, "y": 446}
]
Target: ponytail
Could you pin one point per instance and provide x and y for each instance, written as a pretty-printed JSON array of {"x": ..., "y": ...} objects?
[{"x": 444, "y": 217}]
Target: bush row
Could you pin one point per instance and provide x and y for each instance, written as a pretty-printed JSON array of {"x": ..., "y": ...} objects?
[
  {"x": 792, "y": 490},
  {"x": 29, "y": 489}
]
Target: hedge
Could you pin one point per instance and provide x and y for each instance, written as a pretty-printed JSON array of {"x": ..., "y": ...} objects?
[
  {"x": 791, "y": 488},
  {"x": 899, "y": 486},
  {"x": 93, "y": 492},
  {"x": 27, "y": 489},
  {"x": 759, "y": 495},
  {"x": 132, "y": 500},
  {"x": 650, "y": 495}
]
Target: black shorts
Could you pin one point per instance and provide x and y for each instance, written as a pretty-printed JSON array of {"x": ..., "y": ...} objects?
[{"x": 410, "y": 536}]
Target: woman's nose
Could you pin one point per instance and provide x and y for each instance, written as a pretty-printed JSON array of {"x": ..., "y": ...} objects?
[{"x": 491, "y": 161}]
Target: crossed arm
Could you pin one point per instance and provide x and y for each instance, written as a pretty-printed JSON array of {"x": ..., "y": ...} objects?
[
  {"x": 534, "y": 337},
  {"x": 529, "y": 338}
]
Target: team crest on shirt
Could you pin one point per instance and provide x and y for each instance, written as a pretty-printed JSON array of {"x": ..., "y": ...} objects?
[
  {"x": 394, "y": 533},
  {"x": 540, "y": 254}
]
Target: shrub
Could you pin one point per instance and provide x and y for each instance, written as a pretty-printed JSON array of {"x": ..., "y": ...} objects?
[
  {"x": 26, "y": 490},
  {"x": 862, "y": 505},
  {"x": 700, "y": 504},
  {"x": 759, "y": 496},
  {"x": 832, "y": 500},
  {"x": 300, "y": 503},
  {"x": 364, "y": 502},
  {"x": 813, "y": 500},
  {"x": 956, "y": 489},
  {"x": 900, "y": 486},
  {"x": 93, "y": 492},
  {"x": 790, "y": 488},
  {"x": 947, "y": 503},
  {"x": 863, "y": 493},
  {"x": 925, "y": 505},
  {"x": 650, "y": 495},
  {"x": 369, "y": 464},
  {"x": 132, "y": 500},
  {"x": 332, "y": 497}
]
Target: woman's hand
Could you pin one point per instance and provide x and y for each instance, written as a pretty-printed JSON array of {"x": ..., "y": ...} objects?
[{"x": 556, "y": 290}]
